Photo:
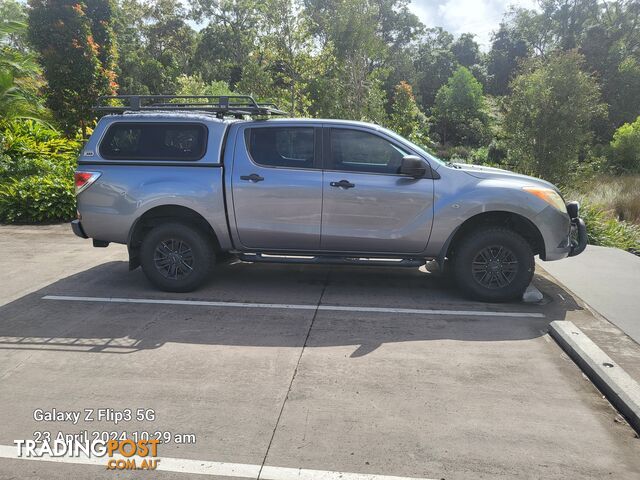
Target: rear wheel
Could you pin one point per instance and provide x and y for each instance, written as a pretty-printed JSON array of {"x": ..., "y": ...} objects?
[
  {"x": 176, "y": 257},
  {"x": 493, "y": 264}
]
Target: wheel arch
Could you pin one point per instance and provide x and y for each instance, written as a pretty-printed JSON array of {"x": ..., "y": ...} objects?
[
  {"x": 162, "y": 214},
  {"x": 514, "y": 221}
]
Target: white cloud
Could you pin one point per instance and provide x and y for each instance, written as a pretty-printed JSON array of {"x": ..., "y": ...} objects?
[{"x": 480, "y": 17}]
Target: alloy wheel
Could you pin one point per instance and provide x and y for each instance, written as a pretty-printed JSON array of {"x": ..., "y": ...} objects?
[{"x": 494, "y": 267}]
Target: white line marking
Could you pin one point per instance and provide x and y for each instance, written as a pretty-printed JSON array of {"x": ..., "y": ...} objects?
[
  {"x": 479, "y": 313},
  {"x": 287, "y": 306},
  {"x": 205, "y": 467}
]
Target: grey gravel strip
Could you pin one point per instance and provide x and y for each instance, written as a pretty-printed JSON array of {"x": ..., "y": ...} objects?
[{"x": 616, "y": 384}]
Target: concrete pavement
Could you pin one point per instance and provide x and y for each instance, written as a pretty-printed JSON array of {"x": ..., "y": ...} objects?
[
  {"x": 606, "y": 279},
  {"x": 421, "y": 395},
  {"x": 34, "y": 257}
]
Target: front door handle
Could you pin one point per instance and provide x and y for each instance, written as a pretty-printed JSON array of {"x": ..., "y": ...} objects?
[
  {"x": 343, "y": 184},
  {"x": 254, "y": 177}
]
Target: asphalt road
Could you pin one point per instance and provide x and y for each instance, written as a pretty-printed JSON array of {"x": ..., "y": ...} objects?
[{"x": 360, "y": 370}]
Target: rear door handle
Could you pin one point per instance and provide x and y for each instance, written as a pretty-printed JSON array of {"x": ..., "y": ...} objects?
[
  {"x": 343, "y": 184},
  {"x": 254, "y": 177}
]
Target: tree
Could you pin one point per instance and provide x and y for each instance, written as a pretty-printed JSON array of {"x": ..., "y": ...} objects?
[
  {"x": 406, "y": 117},
  {"x": 62, "y": 33},
  {"x": 20, "y": 75},
  {"x": 606, "y": 33},
  {"x": 288, "y": 49},
  {"x": 568, "y": 20},
  {"x": 364, "y": 38},
  {"x": 459, "y": 110},
  {"x": 623, "y": 91},
  {"x": 549, "y": 114},
  {"x": 531, "y": 27},
  {"x": 156, "y": 46},
  {"x": 612, "y": 52},
  {"x": 350, "y": 31},
  {"x": 101, "y": 14},
  {"x": 435, "y": 63},
  {"x": 507, "y": 48},
  {"x": 229, "y": 39},
  {"x": 466, "y": 51},
  {"x": 625, "y": 148},
  {"x": 194, "y": 85},
  {"x": 377, "y": 27},
  {"x": 14, "y": 13}
]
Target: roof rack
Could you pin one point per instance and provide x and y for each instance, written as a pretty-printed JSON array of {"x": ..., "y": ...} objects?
[{"x": 222, "y": 105}]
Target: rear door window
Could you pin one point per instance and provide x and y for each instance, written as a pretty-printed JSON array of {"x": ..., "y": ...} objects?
[
  {"x": 154, "y": 141},
  {"x": 292, "y": 147}
]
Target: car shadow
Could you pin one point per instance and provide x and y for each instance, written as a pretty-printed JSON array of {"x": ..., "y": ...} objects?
[{"x": 35, "y": 323}]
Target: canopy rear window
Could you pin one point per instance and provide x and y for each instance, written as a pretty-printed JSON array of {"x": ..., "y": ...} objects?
[{"x": 154, "y": 141}]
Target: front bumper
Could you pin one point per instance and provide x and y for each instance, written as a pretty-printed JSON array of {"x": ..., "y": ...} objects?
[
  {"x": 76, "y": 226},
  {"x": 564, "y": 234},
  {"x": 578, "y": 230}
]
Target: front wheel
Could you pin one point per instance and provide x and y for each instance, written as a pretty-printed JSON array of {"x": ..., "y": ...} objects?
[
  {"x": 493, "y": 264},
  {"x": 176, "y": 257}
]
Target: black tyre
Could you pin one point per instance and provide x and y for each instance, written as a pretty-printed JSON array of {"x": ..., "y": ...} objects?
[
  {"x": 493, "y": 264},
  {"x": 176, "y": 257}
]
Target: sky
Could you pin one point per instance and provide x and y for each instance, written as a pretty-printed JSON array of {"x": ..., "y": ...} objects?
[{"x": 480, "y": 17}]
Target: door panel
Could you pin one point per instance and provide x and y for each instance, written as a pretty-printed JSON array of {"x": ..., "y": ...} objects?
[
  {"x": 277, "y": 188},
  {"x": 372, "y": 211}
]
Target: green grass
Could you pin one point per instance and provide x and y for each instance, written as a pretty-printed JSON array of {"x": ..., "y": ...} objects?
[
  {"x": 609, "y": 232},
  {"x": 618, "y": 196},
  {"x": 610, "y": 207}
]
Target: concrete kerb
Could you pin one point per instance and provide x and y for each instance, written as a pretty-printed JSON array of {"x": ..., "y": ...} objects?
[{"x": 622, "y": 391}]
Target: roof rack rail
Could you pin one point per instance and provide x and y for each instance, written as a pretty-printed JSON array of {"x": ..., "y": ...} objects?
[{"x": 222, "y": 105}]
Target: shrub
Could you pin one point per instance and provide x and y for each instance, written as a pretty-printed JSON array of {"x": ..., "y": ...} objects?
[
  {"x": 450, "y": 153},
  {"x": 606, "y": 231},
  {"x": 496, "y": 152},
  {"x": 36, "y": 173},
  {"x": 478, "y": 156},
  {"x": 30, "y": 148},
  {"x": 36, "y": 199},
  {"x": 625, "y": 148}
]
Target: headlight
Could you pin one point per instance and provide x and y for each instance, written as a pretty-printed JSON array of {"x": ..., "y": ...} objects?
[{"x": 549, "y": 195}]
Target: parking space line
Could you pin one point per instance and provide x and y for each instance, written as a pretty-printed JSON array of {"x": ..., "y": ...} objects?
[
  {"x": 480, "y": 313},
  {"x": 205, "y": 467},
  {"x": 288, "y": 306}
]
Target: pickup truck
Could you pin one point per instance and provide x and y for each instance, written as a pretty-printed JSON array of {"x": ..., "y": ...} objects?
[{"x": 183, "y": 185}]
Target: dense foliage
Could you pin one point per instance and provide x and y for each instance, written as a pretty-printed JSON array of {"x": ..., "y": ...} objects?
[
  {"x": 36, "y": 173},
  {"x": 406, "y": 117},
  {"x": 66, "y": 35},
  {"x": 459, "y": 110},
  {"x": 625, "y": 148},
  {"x": 556, "y": 94},
  {"x": 19, "y": 70},
  {"x": 549, "y": 115}
]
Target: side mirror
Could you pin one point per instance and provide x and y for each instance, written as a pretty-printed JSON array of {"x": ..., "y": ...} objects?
[{"x": 413, "y": 166}]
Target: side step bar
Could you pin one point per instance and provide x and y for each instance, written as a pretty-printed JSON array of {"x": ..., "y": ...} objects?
[{"x": 331, "y": 260}]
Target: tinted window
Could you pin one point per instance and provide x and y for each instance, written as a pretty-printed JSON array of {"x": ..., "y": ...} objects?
[
  {"x": 282, "y": 146},
  {"x": 154, "y": 141},
  {"x": 359, "y": 151}
]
